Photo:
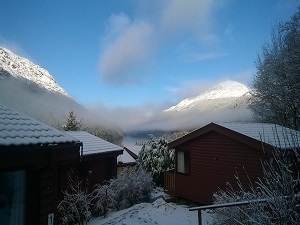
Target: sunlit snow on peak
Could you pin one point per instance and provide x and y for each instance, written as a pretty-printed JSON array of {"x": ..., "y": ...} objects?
[{"x": 227, "y": 89}]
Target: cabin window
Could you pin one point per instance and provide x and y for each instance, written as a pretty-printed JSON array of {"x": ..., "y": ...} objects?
[
  {"x": 12, "y": 197},
  {"x": 183, "y": 162}
]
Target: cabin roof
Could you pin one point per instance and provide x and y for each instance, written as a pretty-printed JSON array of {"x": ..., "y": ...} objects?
[
  {"x": 17, "y": 129},
  {"x": 93, "y": 144},
  {"x": 272, "y": 134},
  {"x": 267, "y": 133},
  {"x": 127, "y": 157}
]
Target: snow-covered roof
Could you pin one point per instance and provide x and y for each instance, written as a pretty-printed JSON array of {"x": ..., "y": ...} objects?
[
  {"x": 253, "y": 134},
  {"x": 17, "y": 129},
  {"x": 268, "y": 133},
  {"x": 93, "y": 144},
  {"x": 127, "y": 157}
]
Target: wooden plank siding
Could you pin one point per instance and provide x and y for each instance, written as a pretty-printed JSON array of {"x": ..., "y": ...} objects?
[
  {"x": 46, "y": 193},
  {"x": 89, "y": 172},
  {"x": 214, "y": 160},
  {"x": 169, "y": 181}
]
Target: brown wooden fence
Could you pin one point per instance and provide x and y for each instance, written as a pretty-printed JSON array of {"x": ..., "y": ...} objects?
[{"x": 169, "y": 181}]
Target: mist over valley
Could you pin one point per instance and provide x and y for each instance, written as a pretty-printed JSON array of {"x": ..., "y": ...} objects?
[{"x": 26, "y": 87}]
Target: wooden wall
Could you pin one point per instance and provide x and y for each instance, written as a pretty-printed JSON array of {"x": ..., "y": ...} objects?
[
  {"x": 214, "y": 160},
  {"x": 91, "y": 171},
  {"x": 42, "y": 178}
]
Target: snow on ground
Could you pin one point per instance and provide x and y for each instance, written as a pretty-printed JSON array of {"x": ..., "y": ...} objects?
[{"x": 157, "y": 213}]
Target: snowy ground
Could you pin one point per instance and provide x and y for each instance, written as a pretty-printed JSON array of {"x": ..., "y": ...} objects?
[{"x": 157, "y": 213}]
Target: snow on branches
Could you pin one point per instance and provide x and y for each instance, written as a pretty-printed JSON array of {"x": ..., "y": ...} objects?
[
  {"x": 128, "y": 188},
  {"x": 279, "y": 186},
  {"x": 155, "y": 157}
]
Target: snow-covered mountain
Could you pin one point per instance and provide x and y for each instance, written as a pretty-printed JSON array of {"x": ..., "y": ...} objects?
[
  {"x": 21, "y": 68},
  {"x": 28, "y": 88},
  {"x": 228, "y": 93},
  {"x": 225, "y": 102}
]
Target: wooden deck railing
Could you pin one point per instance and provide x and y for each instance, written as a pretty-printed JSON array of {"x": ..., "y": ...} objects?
[
  {"x": 200, "y": 208},
  {"x": 169, "y": 181}
]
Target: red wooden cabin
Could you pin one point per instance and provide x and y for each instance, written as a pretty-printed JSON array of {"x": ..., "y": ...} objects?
[{"x": 208, "y": 158}]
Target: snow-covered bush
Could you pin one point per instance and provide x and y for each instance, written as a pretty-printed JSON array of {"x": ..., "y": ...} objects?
[
  {"x": 130, "y": 187},
  {"x": 236, "y": 214},
  {"x": 279, "y": 186},
  {"x": 76, "y": 205},
  {"x": 155, "y": 157},
  {"x": 103, "y": 199}
]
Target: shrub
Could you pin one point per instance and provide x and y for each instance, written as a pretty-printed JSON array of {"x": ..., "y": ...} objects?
[
  {"x": 129, "y": 188},
  {"x": 75, "y": 207},
  {"x": 279, "y": 186},
  {"x": 103, "y": 200}
]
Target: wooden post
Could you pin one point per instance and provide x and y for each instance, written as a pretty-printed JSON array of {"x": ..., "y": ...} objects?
[{"x": 200, "y": 217}]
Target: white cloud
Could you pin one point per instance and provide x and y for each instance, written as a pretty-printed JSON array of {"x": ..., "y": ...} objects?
[
  {"x": 181, "y": 16},
  {"x": 128, "y": 51},
  {"x": 14, "y": 47},
  {"x": 131, "y": 43},
  {"x": 117, "y": 25}
]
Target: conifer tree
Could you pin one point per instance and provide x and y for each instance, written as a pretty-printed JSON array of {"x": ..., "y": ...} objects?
[
  {"x": 72, "y": 124},
  {"x": 155, "y": 157}
]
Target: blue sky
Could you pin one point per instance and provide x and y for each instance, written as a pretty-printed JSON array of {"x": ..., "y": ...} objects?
[{"x": 132, "y": 53}]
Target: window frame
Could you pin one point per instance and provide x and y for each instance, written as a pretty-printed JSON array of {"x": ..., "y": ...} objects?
[{"x": 186, "y": 162}]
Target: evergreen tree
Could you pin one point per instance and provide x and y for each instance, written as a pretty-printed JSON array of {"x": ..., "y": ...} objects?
[
  {"x": 155, "y": 157},
  {"x": 72, "y": 124}
]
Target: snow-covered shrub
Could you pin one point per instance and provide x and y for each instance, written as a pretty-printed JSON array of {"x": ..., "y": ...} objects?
[
  {"x": 130, "y": 187},
  {"x": 103, "y": 200},
  {"x": 236, "y": 214},
  {"x": 155, "y": 157},
  {"x": 75, "y": 207},
  {"x": 279, "y": 186}
]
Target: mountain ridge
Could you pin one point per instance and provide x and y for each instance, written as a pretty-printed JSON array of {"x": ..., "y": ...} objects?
[
  {"x": 225, "y": 90},
  {"x": 22, "y": 68},
  {"x": 31, "y": 89}
]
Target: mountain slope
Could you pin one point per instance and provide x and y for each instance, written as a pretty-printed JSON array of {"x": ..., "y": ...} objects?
[
  {"x": 225, "y": 102},
  {"x": 21, "y": 68},
  {"x": 30, "y": 89},
  {"x": 223, "y": 94}
]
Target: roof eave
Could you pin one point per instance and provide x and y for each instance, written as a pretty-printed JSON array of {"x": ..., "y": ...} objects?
[
  {"x": 115, "y": 153},
  {"x": 24, "y": 147}
]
